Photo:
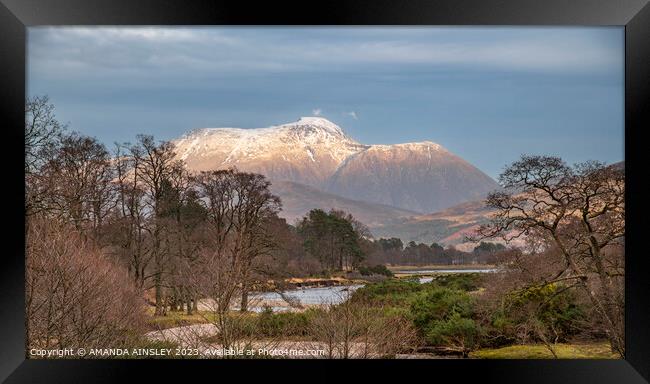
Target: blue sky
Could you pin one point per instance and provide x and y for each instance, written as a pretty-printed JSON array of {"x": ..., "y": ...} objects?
[{"x": 487, "y": 94}]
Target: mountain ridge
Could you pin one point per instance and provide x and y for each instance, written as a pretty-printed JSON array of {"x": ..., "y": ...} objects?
[{"x": 306, "y": 151}]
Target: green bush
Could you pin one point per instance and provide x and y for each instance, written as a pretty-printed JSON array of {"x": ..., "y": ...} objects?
[
  {"x": 438, "y": 304},
  {"x": 560, "y": 316},
  {"x": 461, "y": 281},
  {"x": 378, "y": 269},
  {"x": 443, "y": 316},
  {"x": 455, "y": 331},
  {"x": 271, "y": 324},
  {"x": 392, "y": 293},
  {"x": 442, "y": 311}
]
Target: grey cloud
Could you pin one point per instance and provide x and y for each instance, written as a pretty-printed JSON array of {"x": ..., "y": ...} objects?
[{"x": 62, "y": 51}]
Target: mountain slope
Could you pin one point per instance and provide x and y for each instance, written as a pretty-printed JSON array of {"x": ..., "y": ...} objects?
[
  {"x": 298, "y": 199},
  {"x": 423, "y": 177}
]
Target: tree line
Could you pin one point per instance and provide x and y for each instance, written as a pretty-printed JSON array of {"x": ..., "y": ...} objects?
[{"x": 392, "y": 251}]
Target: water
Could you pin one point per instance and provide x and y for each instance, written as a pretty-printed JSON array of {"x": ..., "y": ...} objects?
[
  {"x": 315, "y": 296},
  {"x": 428, "y": 279},
  {"x": 305, "y": 296}
]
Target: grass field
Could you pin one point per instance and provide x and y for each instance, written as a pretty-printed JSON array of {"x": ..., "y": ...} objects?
[
  {"x": 181, "y": 318},
  {"x": 177, "y": 319},
  {"x": 537, "y": 351}
]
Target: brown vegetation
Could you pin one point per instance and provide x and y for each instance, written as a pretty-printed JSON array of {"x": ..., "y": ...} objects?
[{"x": 75, "y": 297}]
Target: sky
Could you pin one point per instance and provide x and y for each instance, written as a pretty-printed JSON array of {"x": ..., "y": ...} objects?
[{"x": 487, "y": 94}]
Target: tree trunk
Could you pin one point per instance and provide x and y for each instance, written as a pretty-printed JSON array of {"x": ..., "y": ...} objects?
[
  {"x": 188, "y": 301},
  {"x": 616, "y": 339},
  {"x": 605, "y": 310},
  {"x": 244, "y": 298},
  {"x": 159, "y": 298}
]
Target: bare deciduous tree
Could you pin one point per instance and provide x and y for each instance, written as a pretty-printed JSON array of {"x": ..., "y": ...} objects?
[
  {"x": 239, "y": 206},
  {"x": 42, "y": 130},
  {"x": 79, "y": 175},
  {"x": 156, "y": 162},
  {"x": 42, "y": 135},
  {"x": 127, "y": 223},
  {"x": 581, "y": 212}
]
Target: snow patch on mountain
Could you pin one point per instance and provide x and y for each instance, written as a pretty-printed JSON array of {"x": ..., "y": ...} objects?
[
  {"x": 307, "y": 150},
  {"x": 416, "y": 146},
  {"x": 233, "y": 144}
]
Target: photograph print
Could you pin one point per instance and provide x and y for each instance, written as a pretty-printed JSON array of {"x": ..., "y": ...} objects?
[{"x": 325, "y": 192}]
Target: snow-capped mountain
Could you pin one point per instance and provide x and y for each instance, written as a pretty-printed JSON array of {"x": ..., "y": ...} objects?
[
  {"x": 307, "y": 151},
  {"x": 422, "y": 177}
]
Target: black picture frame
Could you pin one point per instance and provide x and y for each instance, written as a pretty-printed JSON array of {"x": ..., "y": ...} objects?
[{"x": 16, "y": 15}]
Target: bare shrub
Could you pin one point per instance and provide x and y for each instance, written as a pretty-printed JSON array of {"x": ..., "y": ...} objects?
[
  {"x": 75, "y": 296},
  {"x": 354, "y": 329}
]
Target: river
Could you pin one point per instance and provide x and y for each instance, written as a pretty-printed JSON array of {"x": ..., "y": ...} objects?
[
  {"x": 308, "y": 296},
  {"x": 317, "y": 296}
]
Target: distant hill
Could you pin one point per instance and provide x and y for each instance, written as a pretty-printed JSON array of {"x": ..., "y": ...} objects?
[{"x": 448, "y": 227}]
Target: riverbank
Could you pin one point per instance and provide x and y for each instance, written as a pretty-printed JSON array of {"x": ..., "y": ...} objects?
[
  {"x": 347, "y": 279},
  {"x": 404, "y": 268},
  {"x": 429, "y": 271},
  {"x": 294, "y": 283}
]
